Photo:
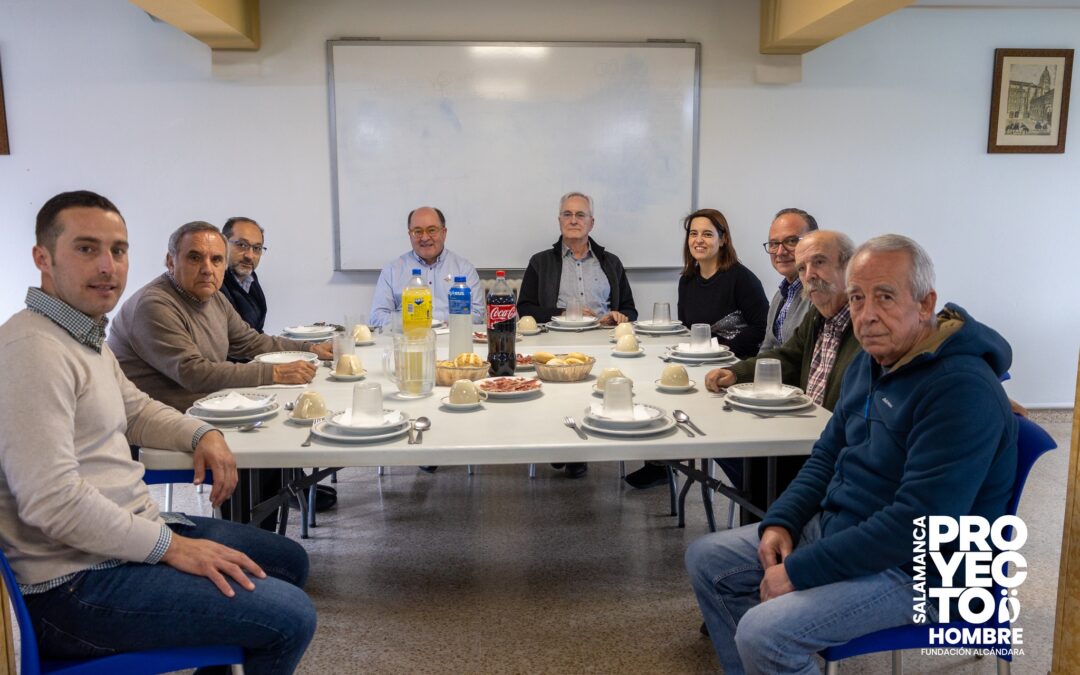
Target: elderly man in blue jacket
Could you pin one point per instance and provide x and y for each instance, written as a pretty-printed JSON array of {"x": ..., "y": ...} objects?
[{"x": 922, "y": 427}]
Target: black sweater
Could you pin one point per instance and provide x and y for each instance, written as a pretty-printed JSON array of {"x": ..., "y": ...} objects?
[{"x": 709, "y": 300}]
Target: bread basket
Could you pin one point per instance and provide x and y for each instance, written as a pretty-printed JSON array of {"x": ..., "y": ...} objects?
[
  {"x": 446, "y": 376},
  {"x": 573, "y": 372}
]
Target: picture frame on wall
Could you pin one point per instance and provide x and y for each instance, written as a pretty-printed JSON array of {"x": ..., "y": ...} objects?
[
  {"x": 1029, "y": 106},
  {"x": 5, "y": 146}
]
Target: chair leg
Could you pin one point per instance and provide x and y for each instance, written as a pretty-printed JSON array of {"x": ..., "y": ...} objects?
[
  {"x": 730, "y": 515},
  {"x": 311, "y": 494},
  {"x": 168, "y": 496},
  {"x": 682, "y": 495},
  {"x": 897, "y": 662},
  {"x": 706, "y": 500},
  {"x": 832, "y": 668},
  {"x": 1004, "y": 667},
  {"x": 622, "y": 469},
  {"x": 673, "y": 490},
  {"x": 532, "y": 471},
  {"x": 381, "y": 471},
  {"x": 333, "y": 477},
  {"x": 469, "y": 469}
]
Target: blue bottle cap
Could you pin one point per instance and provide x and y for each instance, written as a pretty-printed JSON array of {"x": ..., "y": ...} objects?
[
  {"x": 459, "y": 280},
  {"x": 416, "y": 272}
]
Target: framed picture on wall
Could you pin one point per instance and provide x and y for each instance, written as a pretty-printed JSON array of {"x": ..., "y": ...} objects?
[
  {"x": 1029, "y": 106},
  {"x": 5, "y": 147}
]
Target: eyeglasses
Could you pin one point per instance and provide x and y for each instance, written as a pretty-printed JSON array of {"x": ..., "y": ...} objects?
[
  {"x": 580, "y": 215},
  {"x": 418, "y": 232},
  {"x": 244, "y": 247},
  {"x": 789, "y": 243}
]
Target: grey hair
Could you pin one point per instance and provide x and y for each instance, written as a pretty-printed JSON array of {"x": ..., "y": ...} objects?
[
  {"x": 570, "y": 195},
  {"x": 191, "y": 228},
  {"x": 845, "y": 248},
  {"x": 921, "y": 278}
]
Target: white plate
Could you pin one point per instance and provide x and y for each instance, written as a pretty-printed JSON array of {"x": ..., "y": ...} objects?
[
  {"x": 651, "y": 414},
  {"x": 287, "y": 357},
  {"x": 530, "y": 366},
  {"x": 659, "y": 426},
  {"x": 347, "y": 378},
  {"x": 530, "y": 332},
  {"x": 234, "y": 419},
  {"x": 323, "y": 430},
  {"x": 510, "y": 394},
  {"x": 571, "y": 329},
  {"x": 309, "y": 331},
  {"x": 365, "y": 343},
  {"x": 262, "y": 403},
  {"x": 675, "y": 389},
  {"x": 672, "y": 327},
  {"x": 575, "y": 323},
  {"x": 445, "y": 400},
  {"x": 302, "y": 421},
  {"x": 800, "y": 403},
  {"x": 744, "y": 393},
  {"x": 711, "y": 354},
  {"x": 694, "y": 360},
  {"x": 628, "y": 355},
  {"x": 391, "y": 420}
]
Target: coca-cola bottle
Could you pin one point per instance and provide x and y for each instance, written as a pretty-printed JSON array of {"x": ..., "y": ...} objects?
[{"x": 501, "y": 327}]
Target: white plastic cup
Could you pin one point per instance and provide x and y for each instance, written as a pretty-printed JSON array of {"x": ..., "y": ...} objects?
[
  {"x": 619, "y": 398},
  {"x": 701, "y": 337},
  {"x": 573, "y": 311},
  {"x": 661, "y": 313},
  {"x": 343, "y": 344},
  {"x": 767, "y": 381},
  {"x": 367, "y": 404}
]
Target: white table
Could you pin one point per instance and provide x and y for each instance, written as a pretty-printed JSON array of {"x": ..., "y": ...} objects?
[{"x": 521, "y": 431}]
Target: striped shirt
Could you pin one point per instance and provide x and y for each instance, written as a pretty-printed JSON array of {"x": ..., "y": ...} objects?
[{"x": 825, "y": 350}]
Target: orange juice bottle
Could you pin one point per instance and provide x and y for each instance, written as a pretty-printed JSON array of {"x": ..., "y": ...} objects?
[{"x": 416, "y": 306}]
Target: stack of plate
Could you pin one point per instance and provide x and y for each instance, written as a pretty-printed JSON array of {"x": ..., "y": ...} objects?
[
  {"x": 789, "y": 398},
  {"x": 562, "y": 323},
  {"x": 718, "y": 355},
  {"x": 646, "y": 421},
  {"x": 309, "y": 333},
  {"x": 341, "y": 427},
  {"x": 287, "y": 357},
  {"x": 649, "y": 327},
  {"x": 234, "y": 408}
]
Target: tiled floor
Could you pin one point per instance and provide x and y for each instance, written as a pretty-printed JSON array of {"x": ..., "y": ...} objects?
[{"x": 496, "y": 573}]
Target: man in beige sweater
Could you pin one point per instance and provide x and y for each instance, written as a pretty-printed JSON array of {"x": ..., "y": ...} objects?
[
  {"x": 174, "y": 335},
  {"x": 102, "y": 571}
]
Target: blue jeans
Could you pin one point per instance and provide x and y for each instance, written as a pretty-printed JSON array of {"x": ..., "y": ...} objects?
[
  {"x": 136, "y": 607},
  {"x": 783, "y": 634}
]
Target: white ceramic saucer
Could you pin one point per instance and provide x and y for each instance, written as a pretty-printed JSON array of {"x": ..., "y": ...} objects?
[
  {"x": 675, "y": 389},
  {"x": 459, "y": 407}
]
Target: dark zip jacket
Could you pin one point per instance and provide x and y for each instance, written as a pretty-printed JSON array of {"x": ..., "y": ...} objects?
[{"x": 540, "y": 286}]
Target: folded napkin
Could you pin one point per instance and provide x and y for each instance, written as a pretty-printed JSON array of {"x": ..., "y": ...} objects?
[
  {"x": 714, "y": 346},
  {"x": 639, "y": 412},
  {"x": 282, "y": 386},
  {"x": 234, "y": 401},
  {"x": 441, "y": 331}
]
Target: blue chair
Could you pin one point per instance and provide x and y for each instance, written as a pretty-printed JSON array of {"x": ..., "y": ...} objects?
[
  {"x": 1032, "y": 443},
  {"x": 131, "y": 663}
]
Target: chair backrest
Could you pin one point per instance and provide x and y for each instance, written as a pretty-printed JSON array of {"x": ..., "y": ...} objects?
[
  {"x": 27, "y": 641},
  {"x": 1032, "y": 442}
]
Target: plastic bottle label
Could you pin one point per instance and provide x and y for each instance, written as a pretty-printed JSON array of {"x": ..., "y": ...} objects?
[{"x": 460, "y": 301}]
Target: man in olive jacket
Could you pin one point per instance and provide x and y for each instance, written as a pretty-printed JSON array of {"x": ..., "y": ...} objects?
[{"x": 813, "y": 358}]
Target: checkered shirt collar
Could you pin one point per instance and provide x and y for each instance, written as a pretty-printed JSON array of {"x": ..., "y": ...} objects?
[
  {"x": 85, "y": 330},
  {"x": 839, "y": 321}
]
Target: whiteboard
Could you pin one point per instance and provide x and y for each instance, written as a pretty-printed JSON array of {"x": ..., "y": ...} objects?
[{"x": 494, "y": 133}]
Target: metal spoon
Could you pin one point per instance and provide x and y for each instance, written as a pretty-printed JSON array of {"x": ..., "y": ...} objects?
[
  {"x": 249, "y": 427},
  {"x": 421, "y": 425},
  {"x": 680, "y": 416}
]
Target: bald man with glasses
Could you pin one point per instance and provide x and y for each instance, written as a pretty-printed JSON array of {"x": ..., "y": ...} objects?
[
  {"x": 437, "y": 264},
  {"x": 241, "y": 284},
  {"x": 788, "y": 306}
]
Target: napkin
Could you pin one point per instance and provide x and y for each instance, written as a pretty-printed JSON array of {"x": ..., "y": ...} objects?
[
  {"x": 714, "y": 346},
  {"x": 233, "y": 401},
  {"x": 639, "y": 412}
]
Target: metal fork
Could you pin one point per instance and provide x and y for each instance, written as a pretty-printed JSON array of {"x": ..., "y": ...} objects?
[
  {"x": 311, "y": 434},
  {"x": 572, "y": 423}
]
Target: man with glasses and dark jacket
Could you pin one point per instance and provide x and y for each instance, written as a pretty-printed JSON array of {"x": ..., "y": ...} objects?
[{"x": 241, "y": 284}]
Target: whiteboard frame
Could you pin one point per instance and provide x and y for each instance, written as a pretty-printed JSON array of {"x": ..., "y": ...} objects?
[{"x": 370, "y": 41}]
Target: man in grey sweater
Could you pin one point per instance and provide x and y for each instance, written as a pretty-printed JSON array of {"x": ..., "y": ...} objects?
[{"x": 102, "y": 571}]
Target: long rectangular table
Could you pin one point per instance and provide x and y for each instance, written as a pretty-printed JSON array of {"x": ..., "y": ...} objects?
[{"x": 521, "y": 431}]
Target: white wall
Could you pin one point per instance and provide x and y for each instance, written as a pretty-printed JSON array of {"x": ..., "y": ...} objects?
[{"x": 886, "y": 132}]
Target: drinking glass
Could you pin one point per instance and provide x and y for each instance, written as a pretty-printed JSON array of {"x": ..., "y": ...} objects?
[
  {"x": 573, "y": 310},
  {"x": 619, "y": 398},
  {"x": 767, "y": 382},
  {"x": 700, "y": 337},
  {"x": 661, "y": 313},
  {"x": 343, "y": 344},
  {"x": 410, "y": 364},
  {"x": 367, "y": 404}
]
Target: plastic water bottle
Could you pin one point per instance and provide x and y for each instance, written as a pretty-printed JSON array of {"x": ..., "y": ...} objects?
[
  {"x": 460, "y": 318},
  {"x": 416, "y": 306}
]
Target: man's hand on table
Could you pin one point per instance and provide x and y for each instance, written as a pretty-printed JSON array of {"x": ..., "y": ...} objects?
[
  {"x": 213, "y": 453},
  {"x": 297, "y": 372},
  {"x": 776, "y": 543},
  {"x": 719, "y": 378},
  {"x": 324, "y": 350},
  {"x": 206, "y": 558},
  {"x": 613, "y": 318}
]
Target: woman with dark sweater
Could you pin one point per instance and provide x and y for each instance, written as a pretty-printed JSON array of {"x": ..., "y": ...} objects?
[{"x": 715, "y": 288}]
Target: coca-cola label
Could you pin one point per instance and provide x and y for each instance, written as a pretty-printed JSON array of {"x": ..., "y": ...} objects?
[{"x": 500, "y": 313}]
